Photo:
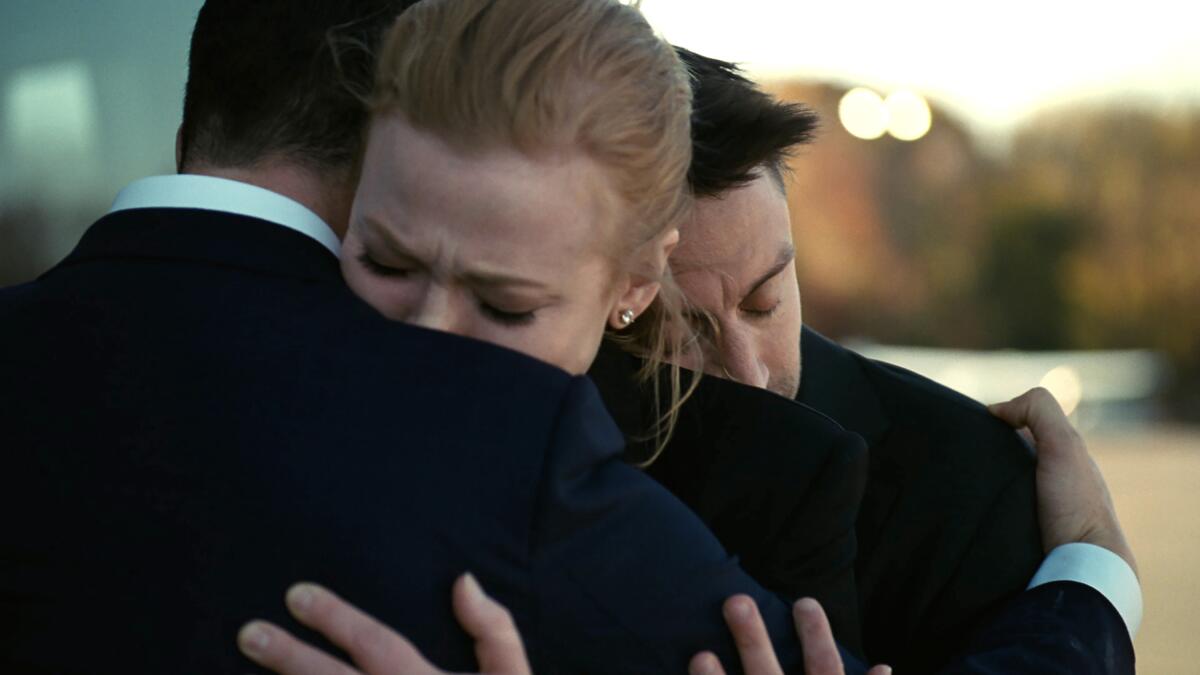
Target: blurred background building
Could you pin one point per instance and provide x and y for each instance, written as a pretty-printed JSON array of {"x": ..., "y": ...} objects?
[{"x": 1001, "y": 196}]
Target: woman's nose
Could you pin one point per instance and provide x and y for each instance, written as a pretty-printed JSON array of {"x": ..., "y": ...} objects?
[{"x": 435, "y": 312}]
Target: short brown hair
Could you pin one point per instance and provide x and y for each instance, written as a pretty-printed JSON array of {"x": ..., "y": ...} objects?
[{"x": 270, "y": 79}]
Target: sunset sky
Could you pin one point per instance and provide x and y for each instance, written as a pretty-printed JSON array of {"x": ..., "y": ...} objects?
[{"x": 994, "y": 63}]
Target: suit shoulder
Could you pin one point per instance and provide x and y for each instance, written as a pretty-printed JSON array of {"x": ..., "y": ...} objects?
[
  {"x": 12, "y": 296},
  {"x": 583, "y": 424},
  {"x": 918, "y": 400},
  {"x": 755, "y": 430}
]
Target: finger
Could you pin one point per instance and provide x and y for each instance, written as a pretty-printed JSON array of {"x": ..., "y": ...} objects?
[
  {"x": 1019, "y": 411},
  {"x": 275, "y": 649},
  {"x": 821, "y": 656},
  {"x": 705, "y": 663},
  {"x": 880, "y": 670},
  {"x": 1028, "y": 437},
  {"x": 497, "y": 642},
  {"x": 750, "y": 635},
  {"x": 1038, "y": 410},
  {"x": 373, "y": 646}
]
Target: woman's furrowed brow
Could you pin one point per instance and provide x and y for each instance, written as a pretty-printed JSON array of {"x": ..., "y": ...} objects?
[{"x": 493, "y": 279}]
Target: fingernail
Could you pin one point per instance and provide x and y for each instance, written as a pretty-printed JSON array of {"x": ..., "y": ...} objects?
[
  {"x": 803, "y": 604},
  {"x": 474, "y": 590},
  {"x": 706, "y": 664},
  {"x": 741, "y": 609},
  {"x": 300, "y": 597},
  {"x": 253, "y": 639}
]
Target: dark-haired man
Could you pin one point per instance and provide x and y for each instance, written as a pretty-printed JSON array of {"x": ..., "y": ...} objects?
[{"x": 948, "y": 531}]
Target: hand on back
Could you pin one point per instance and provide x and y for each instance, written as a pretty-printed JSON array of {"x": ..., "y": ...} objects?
[
  {"x": 378, "y": 650},
  {"x": 375, "y": 648}
]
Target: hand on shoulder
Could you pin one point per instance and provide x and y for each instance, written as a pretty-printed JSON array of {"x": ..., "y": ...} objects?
[{"x": 1074, "y": 504}]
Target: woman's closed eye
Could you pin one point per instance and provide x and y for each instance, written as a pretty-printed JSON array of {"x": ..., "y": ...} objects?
[
  {"x": 379, "y": 269},
  {"x": 506, "y": 317}
]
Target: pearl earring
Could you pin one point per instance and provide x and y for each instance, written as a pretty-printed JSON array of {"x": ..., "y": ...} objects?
[{"x": 626, "y": 317}]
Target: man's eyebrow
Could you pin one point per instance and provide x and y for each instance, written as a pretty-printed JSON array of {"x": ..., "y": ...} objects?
[{"x": 786, "y": 255}]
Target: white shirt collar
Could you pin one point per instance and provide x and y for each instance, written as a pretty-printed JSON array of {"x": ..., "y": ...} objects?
[{"x": 189, "y": 191}]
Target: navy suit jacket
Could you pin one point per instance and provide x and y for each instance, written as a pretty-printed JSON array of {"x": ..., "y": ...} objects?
[
  {"x": 947, "y": 531},
  {"x": 197, "y": 413},
  {"x": 777, "y": 482}
]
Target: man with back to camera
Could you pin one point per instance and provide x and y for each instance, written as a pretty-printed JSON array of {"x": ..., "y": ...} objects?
[{"x": 234, "y": 422}]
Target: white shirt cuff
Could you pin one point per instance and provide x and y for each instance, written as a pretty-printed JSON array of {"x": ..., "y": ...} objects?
[{"x": 1101, "y": 569}]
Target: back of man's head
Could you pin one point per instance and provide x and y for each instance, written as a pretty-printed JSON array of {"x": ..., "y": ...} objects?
[
  {"x": 739, "y": 132},
  {"x": 281, "y": 80}
]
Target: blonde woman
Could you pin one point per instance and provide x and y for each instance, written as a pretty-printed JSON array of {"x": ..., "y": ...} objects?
[{"x": 524, "y": 179}]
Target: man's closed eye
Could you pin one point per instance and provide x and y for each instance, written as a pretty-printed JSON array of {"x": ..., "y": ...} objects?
[{"x": 760, "y": 309}]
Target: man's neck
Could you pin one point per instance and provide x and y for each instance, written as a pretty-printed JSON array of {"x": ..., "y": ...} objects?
[{"x": 330, "y": 200}]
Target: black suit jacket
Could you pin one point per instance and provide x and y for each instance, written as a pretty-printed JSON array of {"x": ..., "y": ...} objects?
[
  {"x": 778, "y": 483},
  {"x": 197, "y": 413},
  {"x": 948, "y": 530}
]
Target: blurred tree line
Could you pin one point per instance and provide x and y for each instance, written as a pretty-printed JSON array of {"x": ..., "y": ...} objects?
[{"x": 1084, "y": 235}]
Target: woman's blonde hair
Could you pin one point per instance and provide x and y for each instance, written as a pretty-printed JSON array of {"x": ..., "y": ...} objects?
[{"x": 557, "y": 76}]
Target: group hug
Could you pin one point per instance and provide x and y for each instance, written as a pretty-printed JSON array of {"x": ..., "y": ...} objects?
[{"x": 467, "y": 337}]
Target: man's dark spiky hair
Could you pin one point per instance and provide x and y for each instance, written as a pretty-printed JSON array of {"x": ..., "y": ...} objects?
[{"x": 738, "y": 131}]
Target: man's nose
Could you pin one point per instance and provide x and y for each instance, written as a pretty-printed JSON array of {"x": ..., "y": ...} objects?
[{"x": 739, "y": 360}]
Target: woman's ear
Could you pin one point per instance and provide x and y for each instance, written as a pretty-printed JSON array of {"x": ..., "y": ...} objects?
[{"x": 644, "y": 282}]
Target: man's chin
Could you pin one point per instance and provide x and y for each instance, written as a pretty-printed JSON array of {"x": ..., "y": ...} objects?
[{"x": 787, "y": 386}]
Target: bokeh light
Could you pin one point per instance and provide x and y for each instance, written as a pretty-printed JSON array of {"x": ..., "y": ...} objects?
[
  {"x": 909, "y": 116},
  {"x": 1066, "y": 386},
  {"x": 863, "y": 114}
]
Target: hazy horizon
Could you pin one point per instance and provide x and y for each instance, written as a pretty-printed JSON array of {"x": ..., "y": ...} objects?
[{"x": 995, "y": 68}]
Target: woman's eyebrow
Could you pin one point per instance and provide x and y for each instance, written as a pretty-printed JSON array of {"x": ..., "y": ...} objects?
[
  {"x": 489, "y": 278},
  {"x": 376, "y": 232},
  {"x": 482, "y": 279}
]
